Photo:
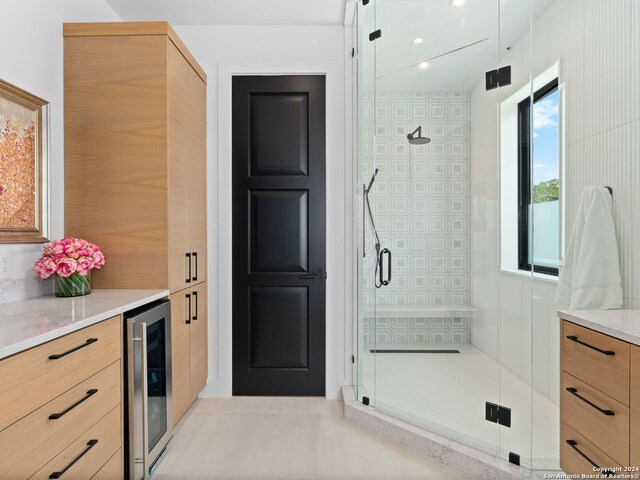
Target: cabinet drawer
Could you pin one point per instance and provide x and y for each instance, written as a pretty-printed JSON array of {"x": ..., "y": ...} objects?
[
  {"x": 597, "y": 359},
  {"x": 607, "y": 429},
  {"x": 112, "y": 470},
  {"x": 86, "y": 455},
  {"x": 31, "y": 442},
  {"x": 31, "y": 379},
  {"x": 570, "y": 459}
]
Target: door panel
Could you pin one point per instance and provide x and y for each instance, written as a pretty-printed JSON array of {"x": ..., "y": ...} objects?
[
  {"x": 180, "y": 370},
  {"x": 279, "y": 327},
  {"x": 198, "y": 175},
  {"x": 178, "y": 146},
  {"x": 277, "y": 218},
  {"x": 279, "y": 134},
  {"x": 279, "y": 235},
  {"x": 198, "y": 339}
]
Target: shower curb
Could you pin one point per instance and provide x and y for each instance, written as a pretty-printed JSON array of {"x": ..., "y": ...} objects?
[{"x": 466, "y": 460}]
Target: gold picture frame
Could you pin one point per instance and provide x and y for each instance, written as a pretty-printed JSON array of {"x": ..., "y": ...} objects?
[{"x": 24, "y": 166}]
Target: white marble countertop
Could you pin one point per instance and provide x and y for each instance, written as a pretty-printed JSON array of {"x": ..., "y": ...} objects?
[
  {"x": 34, "y": 321},
  {"x": 622, "y": 324}
]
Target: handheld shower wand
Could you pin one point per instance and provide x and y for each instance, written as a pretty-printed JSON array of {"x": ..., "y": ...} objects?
[{"x": 379, "y": 252}]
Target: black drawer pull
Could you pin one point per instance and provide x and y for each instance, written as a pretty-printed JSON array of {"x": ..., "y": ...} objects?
[
  {"x": 573, "y": 391},
  {"x": 90, "y": 445},
  {"x": 573, "y": 444},
  {"x": 188, "y": 297},
  {"x": 188, "y": 279},
  {"x": 195, "y": 258},
  {"x": 573, "y": 338},
  {"x": 195, "y": 297},
  {"x": 75, "y": 349},
  {"x": 90, "y": 393}
]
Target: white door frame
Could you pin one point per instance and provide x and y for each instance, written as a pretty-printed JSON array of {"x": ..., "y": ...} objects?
[{"x": 338, "y": 320}]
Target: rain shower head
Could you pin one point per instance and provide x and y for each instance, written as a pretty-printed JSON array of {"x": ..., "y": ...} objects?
[{"x": 416, "y": 138}]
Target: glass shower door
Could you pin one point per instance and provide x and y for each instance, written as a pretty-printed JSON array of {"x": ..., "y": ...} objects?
[
  {"x": 365, "y": 174},
  {"x": 434, "y": 347}
]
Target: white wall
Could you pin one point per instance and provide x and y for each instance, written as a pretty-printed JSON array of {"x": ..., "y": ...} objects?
[
  {"x": 596, "y": 44},
  {"x": 226, "y": 50},
  {"x": 32, "y": 58}
]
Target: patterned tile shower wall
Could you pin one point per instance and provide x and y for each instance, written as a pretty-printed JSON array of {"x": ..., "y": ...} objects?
[
  {"x": 421, "y": 206},
  {"x": 420, "y": 199},
  {"x": 416, "y": 330}
]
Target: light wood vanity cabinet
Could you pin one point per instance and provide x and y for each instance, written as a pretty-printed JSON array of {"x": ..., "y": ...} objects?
[
  {"x": 635, "y": 406},
  {"x": 61, "y": 406},
  {"x": 135, "y": 172},
  {"x": 599, "y": 401}
]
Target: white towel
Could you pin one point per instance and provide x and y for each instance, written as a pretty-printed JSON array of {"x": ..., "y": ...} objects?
[{"x": 590, "y": 278}]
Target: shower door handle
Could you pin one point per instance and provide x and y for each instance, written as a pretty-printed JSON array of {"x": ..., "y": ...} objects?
[{"x": 384, "y": 281}]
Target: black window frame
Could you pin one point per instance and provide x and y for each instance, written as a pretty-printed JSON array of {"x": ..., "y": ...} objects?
[{"x": 524, "y": 178}]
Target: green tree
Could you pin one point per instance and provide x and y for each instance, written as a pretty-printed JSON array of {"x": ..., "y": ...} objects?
[{"x": 546, "y": 191}]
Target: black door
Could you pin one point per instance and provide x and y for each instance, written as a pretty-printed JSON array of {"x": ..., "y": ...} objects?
[{"x": 278, "y": 235}]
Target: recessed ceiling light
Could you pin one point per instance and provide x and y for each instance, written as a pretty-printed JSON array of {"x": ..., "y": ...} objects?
[
  {"x": 458, "y": 3},
  {"x": 424, "y": 65},
  {"x": 418, "y": 40}
]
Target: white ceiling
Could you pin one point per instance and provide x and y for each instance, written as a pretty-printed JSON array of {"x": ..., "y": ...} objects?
[
  {"x": 233, "y": 12},
  {"x": 443, "y": 27}
]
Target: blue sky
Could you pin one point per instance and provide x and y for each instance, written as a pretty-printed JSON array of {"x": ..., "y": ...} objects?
[{"x": 545, "y": 139}]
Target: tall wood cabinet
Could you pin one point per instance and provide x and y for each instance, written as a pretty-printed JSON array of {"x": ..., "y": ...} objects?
[{"x": 135, "y": 172}]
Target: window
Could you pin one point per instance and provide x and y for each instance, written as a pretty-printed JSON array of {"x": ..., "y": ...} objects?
[{"x": 538, "y": 181}]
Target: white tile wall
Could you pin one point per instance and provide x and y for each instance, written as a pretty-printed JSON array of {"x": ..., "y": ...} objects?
[{"x": 597, "y": 45}]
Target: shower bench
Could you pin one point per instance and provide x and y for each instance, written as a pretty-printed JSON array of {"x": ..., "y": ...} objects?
[{"x": 418, "y": 323}]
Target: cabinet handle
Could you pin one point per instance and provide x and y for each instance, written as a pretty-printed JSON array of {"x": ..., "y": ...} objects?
[
  {"x": 195, "y": 297},
  {"x": 90, "y": 393},
  {"x": 75, "y": 349},
  {"x": 188, "y": 280},
  {"x": 195, "y": 258},
  {"x": 90, "y": 445},
  {"x": 188, "y": 297},
  {"x": 573, "y": 444},
  {"x": 574, "y": 392},
  {"x": 573, "y": 338}
]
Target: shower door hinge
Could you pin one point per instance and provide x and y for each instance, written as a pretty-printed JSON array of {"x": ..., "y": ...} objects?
[
  {"x": 364, "y": 2},
  {"x": 514, "y": 458},
  {"x": 365, "y": 400},
  {"x": 374, "y": 35},
  {"x": 498, "y": 414},
  {"x": 353, "y": 359},
  {"x": 498, "y": 78}
]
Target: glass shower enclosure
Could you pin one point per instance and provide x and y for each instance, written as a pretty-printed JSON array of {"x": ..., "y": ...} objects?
[{"x": 445, "y": 313}]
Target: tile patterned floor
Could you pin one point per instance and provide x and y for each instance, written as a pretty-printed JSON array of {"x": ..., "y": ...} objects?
[{"x": 285, "y": 438}]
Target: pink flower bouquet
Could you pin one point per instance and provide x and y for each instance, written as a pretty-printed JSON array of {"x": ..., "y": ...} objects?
[{"x": 70, "y": 260}]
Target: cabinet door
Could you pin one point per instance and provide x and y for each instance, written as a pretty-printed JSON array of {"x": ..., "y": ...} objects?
[
  {"x": 180, "y": 370},
  {"x": 198, "y": 175},
  {"x": 635, "y": 406},
  {"x": 178, "y": 169},
  {"x": 198, "y": 339}
]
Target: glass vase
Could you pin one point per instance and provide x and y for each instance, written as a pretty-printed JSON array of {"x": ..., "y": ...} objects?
[{"x": 73, "y": 286}]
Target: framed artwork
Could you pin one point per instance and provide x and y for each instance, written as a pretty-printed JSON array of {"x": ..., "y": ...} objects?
[{"x": 24, "y": 152}]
